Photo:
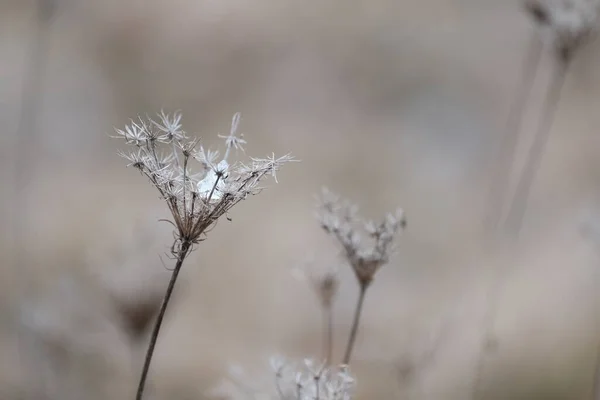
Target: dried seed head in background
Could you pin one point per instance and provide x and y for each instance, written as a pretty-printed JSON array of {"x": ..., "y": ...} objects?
[
  {"x": 305, "y": 380},
  {"x": 566, "y": 23},
  {"x": 196, "y": 199},
  {"x": 364, "y": 254},
  {"x": 129, "y": 271},
  {"x": 323, "y": 279}
]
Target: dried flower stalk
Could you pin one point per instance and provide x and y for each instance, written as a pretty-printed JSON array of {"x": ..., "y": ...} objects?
[
  {"x": 325, "y": 283},
  {"x": 365, "y": 256},
  {"x": 502, "y": 165},
  {"x": 567, "y": 25},
  {"x": 196, "y": 200}
]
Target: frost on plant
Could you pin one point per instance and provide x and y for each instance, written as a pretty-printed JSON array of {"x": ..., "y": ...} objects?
[
  {"x": 305, "y": 380},
  {"x": 198, "y": 185},
  {"x": 365, "y": 253}
]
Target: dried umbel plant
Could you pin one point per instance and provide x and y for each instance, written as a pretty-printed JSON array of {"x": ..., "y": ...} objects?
[
  {"x": 196, "y": 199},
  {"x": 566, "y": 25},
  {"x": 365, "y": 254},
  {"x": 305, "y": 380},
  {"x": 325, "y": 283}
]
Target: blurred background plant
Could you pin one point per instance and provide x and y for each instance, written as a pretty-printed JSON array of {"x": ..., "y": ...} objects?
[{"x": 388, "y": 102}]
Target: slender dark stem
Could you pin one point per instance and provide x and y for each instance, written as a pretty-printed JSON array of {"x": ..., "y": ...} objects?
[
  {"x": 327, "y": 333},
  {"x": 354, "y": 330},
  {"x": 518, "y": 206},
  {"x": 504, "y": 159},
  {"x": 183, "y": 252},
  {"x": 596, "y": 387}
]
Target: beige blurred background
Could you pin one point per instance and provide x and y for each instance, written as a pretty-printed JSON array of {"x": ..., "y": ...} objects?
[{"x": 389, "y": 103}]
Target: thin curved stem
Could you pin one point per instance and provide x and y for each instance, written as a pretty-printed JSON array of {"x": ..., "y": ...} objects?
[
  {"x": 183, "y": 252},
  {"x": 505, "y": 157},
  {"x": 518, "y": 206},
  {"x": 354, "y": 330}
]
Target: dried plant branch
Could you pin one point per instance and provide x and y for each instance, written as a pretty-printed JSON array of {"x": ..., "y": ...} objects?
[
  {"x": 567, "y": 25},
  {"x": 183, "y": 252},
  {"x": 365, "y": 256},
  {"x": 502, "y": 165},
  {"x": 355, "y": 322},
  {"x": 325, "y": 283},
  {"x": 518, "y": 206},
  {"x": 195, "y": 200}
]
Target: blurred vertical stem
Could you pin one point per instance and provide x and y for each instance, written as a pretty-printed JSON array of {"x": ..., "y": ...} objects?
[
  {"x": 354, "y": 330},
  {"x": 327, "y": 333},
  {"x": 489, "y": 339},
  {"x": 24, "y": 150},
  {"x": 499, "y": 185},
  {"x": 505, "y": 153},
  {"x": 518, "y": 206},
  {"x": 596, "y": 381},
  {"x": 181, "y": 255}
]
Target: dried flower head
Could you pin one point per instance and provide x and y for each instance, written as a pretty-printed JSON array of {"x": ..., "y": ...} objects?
[
  {"x": 196, "y": 198},
  {"x": 566, "y": 23},
  {"x": 305, "y": 380},
  {"x": 364, "y": 254}
]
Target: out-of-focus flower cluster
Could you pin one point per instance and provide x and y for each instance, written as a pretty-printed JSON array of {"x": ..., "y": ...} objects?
[
  {"x": 196, "y": 197},
  {"x": 568, "y": 23},
  {"x": 305, "y": 380},
  {"x": 365, "y": 255}
]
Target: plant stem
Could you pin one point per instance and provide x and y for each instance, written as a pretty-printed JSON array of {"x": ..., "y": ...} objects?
[
  {"x": 492, "y": 304},
  {"x": 596, "y": 382},
  {"x": 183, "y": 252},
  {"x": 354, "y": 330},
  {"x": 518, "y": 206},
  {"x": 327, "y": 333},
  {"x": 504, "y": 160}
]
